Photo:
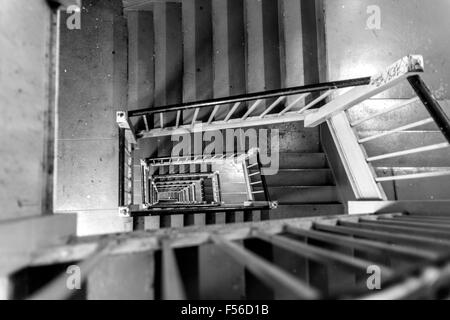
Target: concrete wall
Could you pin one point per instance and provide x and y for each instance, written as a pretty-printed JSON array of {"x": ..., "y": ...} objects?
[
  {"x": 93, "y": 86},
  {"x": 407, "y": 26},
  {"x": 354, "y": 50},
  {"x": 25, "y": 102}
]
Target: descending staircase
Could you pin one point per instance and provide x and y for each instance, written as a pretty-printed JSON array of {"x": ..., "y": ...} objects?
[
  {"x": 304, "y": 186},
  {"x": 330, "y": 257}
]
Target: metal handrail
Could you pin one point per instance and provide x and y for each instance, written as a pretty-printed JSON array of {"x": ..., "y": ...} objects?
[
  {"x": 252, "y": 96},
  {"x": 434, "y": 109}
]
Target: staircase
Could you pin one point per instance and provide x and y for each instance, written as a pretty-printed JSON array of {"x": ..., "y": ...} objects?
[
  {"x": 304, "y": 185},
  {"x": 304, "y": 188}
]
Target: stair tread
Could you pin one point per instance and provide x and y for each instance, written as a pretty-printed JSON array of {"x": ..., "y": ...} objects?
[
  {"x": 304, "y": 194},
  {"x": 302, "y": 187},
  {"x": 299, "y": 160},
  {"x": 289, "y": 211}
]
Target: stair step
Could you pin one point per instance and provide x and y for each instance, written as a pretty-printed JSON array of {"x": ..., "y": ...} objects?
[
  {"x": 301, "y": 177},
  {"x": 309, "y": 194},
  {"x": 295, "y": 160},
  {"x": 227, "y": 187},
  {"x": 304, "y": 210},
  {"x": 295, "y": 138}
]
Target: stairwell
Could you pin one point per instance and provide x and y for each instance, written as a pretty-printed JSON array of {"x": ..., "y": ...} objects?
[{"x": 250, "y": 46}]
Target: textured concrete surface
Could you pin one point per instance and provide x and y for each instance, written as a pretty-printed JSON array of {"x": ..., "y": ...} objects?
[
  {"x": 197, "y": 55},
  {"x": 93, "y": 86},
  {"x": 263, "y": 52},
  {"x": 407, "y": 27},
  {"x": 24, "y": 101},
  {"x": 141, "y": 68},
  {"x": 228, "y": 49}
]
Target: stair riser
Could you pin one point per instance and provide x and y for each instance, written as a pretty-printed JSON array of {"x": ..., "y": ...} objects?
[
  {"x": 301, "y": 178},
  {"x": 292, "y": 195},
  {"x": 302, "y": 161},
  {"x": 298, "y": 211}
]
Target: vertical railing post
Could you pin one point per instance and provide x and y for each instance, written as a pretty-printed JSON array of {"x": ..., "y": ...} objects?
[
  {"x": 263, "y": 178},
  {"x": 121, "y": 180}
]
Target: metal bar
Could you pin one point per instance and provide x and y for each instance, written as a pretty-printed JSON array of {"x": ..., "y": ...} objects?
[
  {"x": 251, "y": 109},
  {"x": 161, "y": 120},
  {"x": 121, "y": 180},
  {"x": 399, "y": 129},
  {"x": 194, "y": 118},
  {"x": 263, "y": 179},
  {"x": 143, "y": 184},
  {"x": 429, "y": 215},
  {"x": 433, "y": 234},
  {"x": 176, "y": 182},
  {"x": 254, "y": 96},
  {"x": 291, "y": 105},
  {"x": 233, "y": 109},
  {"x": 384, "y": 236},
  {"x": 254, "y": 174},
  {"x": 390, "y": 109},
  {"x": 273, "y": 105},
  {"x": 414, "y": 176},
  {"x": 268, "y": 273},
  {"x": 146, "y": 122},
  {"x": 211, "y": 117},
  {"x": 434, "y": 220},
  {"x": 177, "y": 123},
  {"x": 425, "y": 225},
  {"x": 248, "y": 186},
  {"x": 182, "y": 175},
  {"x": 260, "y": 191},
  {"x": 364, "y": 245},
  {"x": 364, "y": 224},
  {"x": 316, "y": 101},
  {"x": 434, "y": 109},
  {"x": 320, "y": 255},
  {"x": 410, "y": 151},
  {"x": 172, "y": 285}
]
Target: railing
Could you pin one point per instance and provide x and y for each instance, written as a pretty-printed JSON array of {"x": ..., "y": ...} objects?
[
  {"x": 358, "y": 165},
  {"x": 260, "y": 111},
  {"x": 127, "y": 144},
  {"x": 407, "y": 253},
  {"x": 306, "y": 100},
  {"x": 284, "y": 105},
  {"x": 167, "y": 177}
]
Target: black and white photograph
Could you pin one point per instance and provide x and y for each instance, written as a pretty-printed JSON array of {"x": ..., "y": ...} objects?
[{"x": 231, "y": 156}]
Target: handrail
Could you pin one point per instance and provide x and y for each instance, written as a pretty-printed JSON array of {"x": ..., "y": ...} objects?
[
  {"x": 421, "y": 258},
  {"x": 431, "y": 104},
  {"x": 252, "y": 96}
]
